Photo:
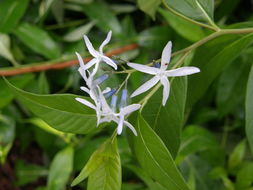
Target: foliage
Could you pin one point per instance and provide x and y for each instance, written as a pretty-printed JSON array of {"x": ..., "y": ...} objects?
[{"x": 200, "y": 139}]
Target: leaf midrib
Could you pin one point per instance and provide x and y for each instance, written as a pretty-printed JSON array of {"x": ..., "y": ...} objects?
[{"x": 155, "y": 159}]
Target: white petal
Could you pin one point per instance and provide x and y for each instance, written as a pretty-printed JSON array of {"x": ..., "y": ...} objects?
[
  {"x": 146, "y": 86},
  {"x": 90, "y": 47},
  {"x": 128, "y": 109},
  {"x": 120, "y": 125},
  {"x": 166, "y": 55},
  {"x": 182, "y": 71},
  {"x": 130, "y": 127},
  {"x": 80, "y": 60},
  {"x": 144, "y": 68},
  {"x": 85, "y": 89},
  {"x": 166, "y": 89},
  {"x": 85, "y": 102},
  {"x": 83, "y": 73},
  {"x": 109, "y": 62},
  {"x": 94, "y": 71},
  {"x": 106, "y": 41},
  {"x": 90, "y": 63},
  {"x": 104, "y": 120}
]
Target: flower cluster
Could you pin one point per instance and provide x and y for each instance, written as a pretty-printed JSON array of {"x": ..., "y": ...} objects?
[{"x": 106, "y": 113}]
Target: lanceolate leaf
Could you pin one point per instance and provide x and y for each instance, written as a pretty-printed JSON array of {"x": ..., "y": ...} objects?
[
  {"x": 232, "y": 85},
  {"x": 103, "y": 16},
  {"x": 61, "y": 111},
  {"x": 60, "y": 169},
  {"x": 186, "y": 29},
  {"x": 167, "y": 120},
  {"x": 103, "y": 168},
  {"x": 249, "y": 110},
  {"x": 155, "y": 158},
  {"x": 11, "y": 12},
  {"x": 212, "y": 59},
  {"x": 5, "y": 93},
  {"x": 149, "y": 6},
  {"x": 200, "y": 10},
  {"x": 38, "y": 40}
]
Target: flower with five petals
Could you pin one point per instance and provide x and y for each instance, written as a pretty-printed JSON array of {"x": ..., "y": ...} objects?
[
  {"x": 161, "y": 74},
  {"x": 98, "y": 55}
]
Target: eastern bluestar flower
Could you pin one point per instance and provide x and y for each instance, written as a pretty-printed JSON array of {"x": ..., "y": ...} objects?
[
  {"x": 98, "y": 55},
  {"x": 161, "y": 74}
]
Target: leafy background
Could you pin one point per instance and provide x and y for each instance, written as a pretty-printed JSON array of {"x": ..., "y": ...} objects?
[{"x": 204, "y": 131}]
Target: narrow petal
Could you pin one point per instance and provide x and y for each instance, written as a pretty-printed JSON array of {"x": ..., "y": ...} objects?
[
  {"x": 106, "y": 41},
  {"x": 128, "y": 109},
  {"x": 109, "y": 62},
  {"x": 85, "y": 102},
  {"x": 90, "y": 47},
  {"x": 94, "y": 71},
  {"x": 120, "y": 124},
  {"x": 85, "y": 89},
  {"x": 182, "y": 71},
  {"x": 166, "y": 55},
  {"x": 83, "y": 73},
  {"x": 146, "y": 86},
  {"x": 90, "y": 63},
  {"x": 104, "y": 120},
  {"x": 130, "y": 127},
  {"x": 166, "y": 89},
  {"x": 80, "y": 60},
  {"x": 144, "y": 68}
]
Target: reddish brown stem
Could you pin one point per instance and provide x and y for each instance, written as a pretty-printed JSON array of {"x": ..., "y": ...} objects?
[{"x": 50, "y": 66}]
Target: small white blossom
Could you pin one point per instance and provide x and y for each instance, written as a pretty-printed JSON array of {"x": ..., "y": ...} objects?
[
  {"x": 161, "y": 74},
  {"x": 109, "y": 114},
  {"x": 98, "y": 55}
]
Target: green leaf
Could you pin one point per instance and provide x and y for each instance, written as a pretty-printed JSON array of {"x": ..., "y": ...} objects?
[
  {"x": 44, "y": 7},
  {"x": 60, "y": 169},
  {"x": 200, "y": 140},
  {"x": 104, "y": 17},
  {"x": 38, "y": 40},
  {"x": 10, "y": 14},
  {"x": 244, "y": 177},
  {"x": 200, "y": 10},
  {"x": 249, "y": 110},
  {"x": 103, "y": 168},
  {"x": 155, "y": 37},
  {"x": 43, "y": 85},
  {"x": 28, "y": 173},
  {"x": 155, "y": 158},
  {"x": 196, "y": 139},
  {"x": 7, "y": 135},
  {"x": 236, "y": 157},
  {"x": 77, "y": 33},
  {"x": 60, "y": 111},
  {"x": 5, "y": 50},
  {"x": 212, "y": 58},
  {"x": 6, "y": 95},
  {"x": 184, "y": 28},
  {"x": 149, "y": 6},
  {"x": 232, "y": 86},
  {"x": 167, "y": 120}
]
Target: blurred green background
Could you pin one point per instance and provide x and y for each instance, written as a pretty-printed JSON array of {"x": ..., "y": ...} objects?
[{"x": 35, "y": 33}]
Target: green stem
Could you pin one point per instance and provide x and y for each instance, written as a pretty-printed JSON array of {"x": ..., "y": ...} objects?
[
  {"x": 123, "y": 83},
  {"x": 212, "y": 36}
]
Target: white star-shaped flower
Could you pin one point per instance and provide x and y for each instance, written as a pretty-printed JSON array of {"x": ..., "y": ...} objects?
[
  {"x": 109, "y": 115},
  {"x": 161, "y": 74},
  {"x": 98, "y": 55}
]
